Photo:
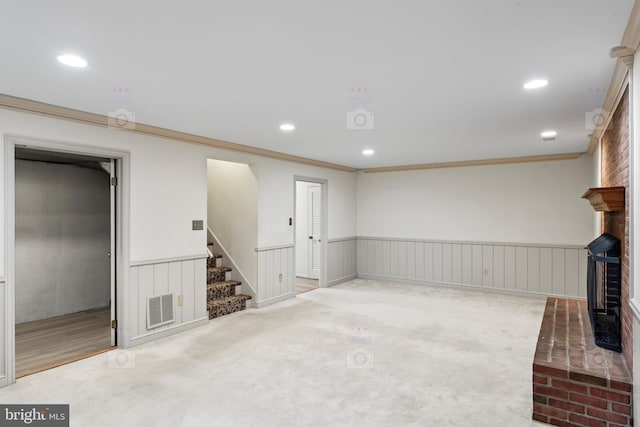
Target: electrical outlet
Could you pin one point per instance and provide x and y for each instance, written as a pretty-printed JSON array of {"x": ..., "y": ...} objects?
[
  {"x": 486, "y": 271},
  {"x": 280, "y": 277},
  {"x": 180, "y": 300},
  {"x": 197, "y": 224}
]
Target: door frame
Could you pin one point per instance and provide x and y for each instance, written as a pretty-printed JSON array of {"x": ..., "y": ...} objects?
[
  {"x": 310, "y": 190},
  {"x": 122, "y": 192},
  {"x": 324, "y": 224}
]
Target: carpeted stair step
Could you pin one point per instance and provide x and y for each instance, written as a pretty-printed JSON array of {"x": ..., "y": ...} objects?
[
  {"x": 228, "y": 305},
  {"x": 218, "y": 274},
  {"x": 221, "y": 290},
  {"x": 215, "y": 260}
]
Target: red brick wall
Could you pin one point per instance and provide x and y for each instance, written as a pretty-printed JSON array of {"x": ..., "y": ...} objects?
[
  {"x": 561, "y": 400},
  {"x": 615, "y": 172}
]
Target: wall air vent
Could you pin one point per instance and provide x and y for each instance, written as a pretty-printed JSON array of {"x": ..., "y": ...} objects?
[{"x": 159, "y": 310}]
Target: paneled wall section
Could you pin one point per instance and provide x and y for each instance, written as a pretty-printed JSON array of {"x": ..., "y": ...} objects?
[
  {"x": 276, "y": 274},
  {"x": 549, "y": 270},
  {"x": 342, "y": 262},
  {"x": 3, "y": 362},
  {"x": 186, "y": 278}
]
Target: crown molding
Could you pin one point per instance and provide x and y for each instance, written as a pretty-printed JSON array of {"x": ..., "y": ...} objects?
[
  {"x": 620, "y": 78},
  {"x": 43, "y": 109},
  {"x": 485, "y": 162},
  {"x": 631, "y": 36}
]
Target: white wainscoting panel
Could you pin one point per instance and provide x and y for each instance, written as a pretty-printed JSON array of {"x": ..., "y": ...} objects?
[
  {"x": 4, "y": 381},
  {"x": 182, "y": 277},
  {"x": 342, "y": 262},
  {"x": 276, "y": 274},
  {"x": 528, "y": 268}
]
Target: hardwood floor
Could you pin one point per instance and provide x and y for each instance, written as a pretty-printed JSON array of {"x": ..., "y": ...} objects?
[
  {"x": 44, "y": 344},
  {"x": 305, "y": 285}
]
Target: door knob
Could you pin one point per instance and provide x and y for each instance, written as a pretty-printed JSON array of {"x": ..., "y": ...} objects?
[{"x": 310, "y": 237}]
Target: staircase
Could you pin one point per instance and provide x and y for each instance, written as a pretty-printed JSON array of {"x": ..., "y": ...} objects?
[{"x": 223, "y": 295}]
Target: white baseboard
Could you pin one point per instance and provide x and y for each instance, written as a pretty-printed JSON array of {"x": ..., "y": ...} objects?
[
  {"x": 468, "y": 287},
  {"x": 273, "y": 300},
  {"x": 342, "y": 280},
  {"x": 162, "y": 333}
]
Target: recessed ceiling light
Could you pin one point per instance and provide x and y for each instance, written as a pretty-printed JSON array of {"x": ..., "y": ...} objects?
[
  {"x": 368, "y": 152},
  {"x": 287, "y": 127},
  {"x": 549, "y": 135},
  {"x": 535, "y": 84},
  {"x": 72, "y": 61}
]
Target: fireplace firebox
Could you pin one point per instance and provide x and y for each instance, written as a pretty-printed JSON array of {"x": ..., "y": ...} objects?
[{"x": 603, "y": 291}]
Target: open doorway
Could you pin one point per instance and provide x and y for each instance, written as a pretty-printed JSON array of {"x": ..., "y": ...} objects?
[
  {"x": 65, "y": 258},
  {"x": 309, "y": 232}
]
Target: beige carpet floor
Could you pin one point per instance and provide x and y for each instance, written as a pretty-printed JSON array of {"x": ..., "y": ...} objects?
[{"x": 364, "y": 353}]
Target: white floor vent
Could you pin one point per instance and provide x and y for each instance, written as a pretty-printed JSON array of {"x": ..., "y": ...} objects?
[{"x": 159, "y": 310}]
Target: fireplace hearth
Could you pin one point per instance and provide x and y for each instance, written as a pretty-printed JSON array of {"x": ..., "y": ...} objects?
[{"x": 604, "y": 282}]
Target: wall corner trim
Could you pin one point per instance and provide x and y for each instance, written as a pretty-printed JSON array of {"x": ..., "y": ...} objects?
[
  {"x": 139, "y": 263},
  {"x": 343, "y": 239},
  {"x": 271, "y": 248},
  {"x": 635, "y": 308},
  {"x": 475, "y": 242}
]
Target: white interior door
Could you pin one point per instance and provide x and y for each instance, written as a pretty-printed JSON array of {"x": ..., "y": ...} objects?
[
  {"x": 315, "y": 209},
  {"x": 112, "y": 248}
]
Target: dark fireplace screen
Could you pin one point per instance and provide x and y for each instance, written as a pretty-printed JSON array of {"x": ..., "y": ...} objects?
[{"x": 603, "y": 291}]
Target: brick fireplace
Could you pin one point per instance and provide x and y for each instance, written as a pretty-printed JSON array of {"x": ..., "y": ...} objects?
[
  {"x": 615, "y": 172},
  {"x": 576, "y": 382}
]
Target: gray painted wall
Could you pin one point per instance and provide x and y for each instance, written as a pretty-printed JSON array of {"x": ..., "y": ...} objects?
[{"x": 62, "y": 240}]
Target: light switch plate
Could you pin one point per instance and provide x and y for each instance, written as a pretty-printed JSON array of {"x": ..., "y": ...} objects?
[{"x": 197, "y": 224}]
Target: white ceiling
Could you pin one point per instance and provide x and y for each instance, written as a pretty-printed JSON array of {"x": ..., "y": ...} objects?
[{"x": 444, "y": 79}]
